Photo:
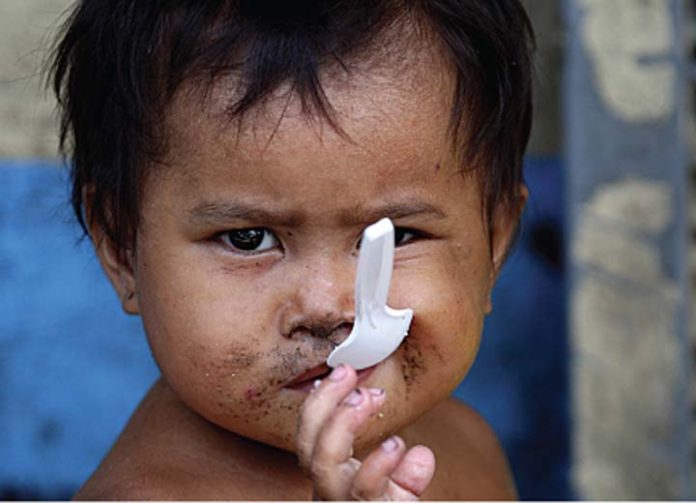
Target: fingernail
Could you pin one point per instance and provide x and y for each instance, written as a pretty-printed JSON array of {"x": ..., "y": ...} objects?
[
  {"x": 391, "y": 444},
  {"x": 355, "y": 398},
  {"x": 338, "y": 373},
  {"x": 376, "y": 392}
]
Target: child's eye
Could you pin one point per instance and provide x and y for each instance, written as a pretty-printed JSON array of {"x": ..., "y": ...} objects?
[
  {"x": 250, "y": 240},
  {"x": 402, "y": 235}
]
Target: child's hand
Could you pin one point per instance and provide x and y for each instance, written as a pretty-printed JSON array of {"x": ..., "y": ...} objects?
[{"x": 329, "y": 419}]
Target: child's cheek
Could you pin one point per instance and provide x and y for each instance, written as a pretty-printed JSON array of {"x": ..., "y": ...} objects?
[
  {"x": 203, "y": 349},
  {"x": 447, "y": 323},
  {"x": 232, "y": 372}
]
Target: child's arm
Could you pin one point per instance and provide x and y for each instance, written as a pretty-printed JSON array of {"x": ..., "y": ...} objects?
[{"x": 330, "y": 417}]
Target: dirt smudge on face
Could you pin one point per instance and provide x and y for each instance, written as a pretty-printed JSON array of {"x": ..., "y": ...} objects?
[
  {"x": 234, "y": 358},
  {"x": 291, "y": 363},
  {"x": 288, "y": 364},
  {"x": 413, "y": 361},
  {"x": 324, "y": 346}
]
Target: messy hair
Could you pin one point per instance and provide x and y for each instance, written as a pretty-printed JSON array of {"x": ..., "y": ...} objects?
[{"x": 118, "y": 63}]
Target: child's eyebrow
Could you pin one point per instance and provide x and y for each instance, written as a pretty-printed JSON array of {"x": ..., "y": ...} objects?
[
  {"x": 215, "y": 213},
  {"x": 363, "y": 215}
]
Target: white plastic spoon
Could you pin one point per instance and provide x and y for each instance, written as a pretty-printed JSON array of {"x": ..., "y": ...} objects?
[{"x": 378, "y": 329}]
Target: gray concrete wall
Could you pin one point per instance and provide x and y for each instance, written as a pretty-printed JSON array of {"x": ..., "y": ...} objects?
[
  {"x": 27, "y": 127},
  {"x": 626, "y": 108}
]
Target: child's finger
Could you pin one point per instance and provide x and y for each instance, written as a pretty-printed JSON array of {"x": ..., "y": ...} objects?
[
  {"x": 330, "y": 468},
  {"x": 372, "y": 480},
  {"x": 416, "y": 470},
  {"x": 318, "y": 406}
]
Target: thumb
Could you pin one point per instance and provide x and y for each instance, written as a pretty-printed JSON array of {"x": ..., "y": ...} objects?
[{"x": 416, "y": 470}]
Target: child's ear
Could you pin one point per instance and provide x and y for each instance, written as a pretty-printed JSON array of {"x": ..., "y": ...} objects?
[
  {"x": 119, "y": 270},
  {"x": 503, "y": 230}
]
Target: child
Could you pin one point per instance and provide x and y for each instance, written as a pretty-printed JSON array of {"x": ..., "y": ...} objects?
[{"x": 226, "y": 157}]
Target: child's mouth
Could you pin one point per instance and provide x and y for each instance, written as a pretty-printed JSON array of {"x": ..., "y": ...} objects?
[
  {"x": 308, "y": 377},
  {"x": 305, "y": 381}
]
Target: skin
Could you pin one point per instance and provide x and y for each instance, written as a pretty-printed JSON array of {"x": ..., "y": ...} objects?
[{"x": 231, "y": 329}]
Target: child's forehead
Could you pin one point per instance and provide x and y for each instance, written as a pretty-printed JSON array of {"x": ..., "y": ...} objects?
[
  {"x": 383, "y": 130},
  {"x": 410, "y": 105},
  {"x": 392, "y": 134},
  {"x": 394, "y": 120},
  {"x": 400, "y": 72}
]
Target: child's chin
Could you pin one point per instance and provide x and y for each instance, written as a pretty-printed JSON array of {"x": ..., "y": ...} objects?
[
  {"x": 284, "y": 441},
  {"x": 283, "y": 444}
]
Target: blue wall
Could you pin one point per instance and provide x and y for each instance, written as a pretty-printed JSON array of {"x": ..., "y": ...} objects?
[
  {"x": 73, "y": 366},
  {"x": 519, "y": 381}
]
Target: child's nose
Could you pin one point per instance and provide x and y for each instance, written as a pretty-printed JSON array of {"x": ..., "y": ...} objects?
[
  {"x": 320, "y": 294},
  {"x": 326, "y": 286}
]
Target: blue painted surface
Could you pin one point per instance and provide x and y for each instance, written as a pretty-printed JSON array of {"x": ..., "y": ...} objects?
[
  {"x": 73, "y": 366},
  {"x": 519, "y": 381}
]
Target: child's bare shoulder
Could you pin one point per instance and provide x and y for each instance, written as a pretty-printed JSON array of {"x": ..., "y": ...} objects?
[
  {"x": 171, "y": 484},
  {"x": 127, "y": 484},
  {"x": 144, "y": 464},
  {"x": 168, "y": 453},
  {"x": 471, "y": 463}
]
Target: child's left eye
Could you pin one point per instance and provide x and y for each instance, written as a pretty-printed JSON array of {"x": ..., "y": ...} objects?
[
  {"x": 402, "y": 235},
  {"x": 252, "y": 240}
]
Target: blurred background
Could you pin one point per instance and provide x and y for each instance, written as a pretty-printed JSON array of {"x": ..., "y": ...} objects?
[{"x": 585, "y": 370}]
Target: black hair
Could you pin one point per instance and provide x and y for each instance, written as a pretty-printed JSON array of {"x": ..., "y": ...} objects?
[{"x": 118, "y": 63}]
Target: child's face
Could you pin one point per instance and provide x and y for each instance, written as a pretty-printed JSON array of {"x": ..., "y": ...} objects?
[{"x": 234, "y": 317}]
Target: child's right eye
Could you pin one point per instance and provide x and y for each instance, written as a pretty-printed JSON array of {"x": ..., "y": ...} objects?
[{"x": 254, "y": 240}]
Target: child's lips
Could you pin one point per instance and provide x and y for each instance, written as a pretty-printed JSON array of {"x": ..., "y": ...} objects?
[
  {"x": 309, "y": 376},
  {"x": 305, "y": 381}
]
